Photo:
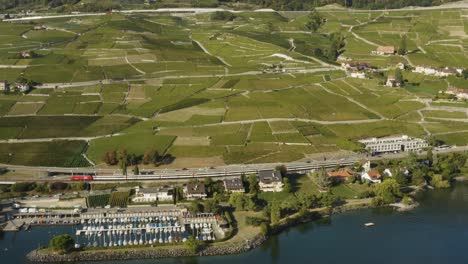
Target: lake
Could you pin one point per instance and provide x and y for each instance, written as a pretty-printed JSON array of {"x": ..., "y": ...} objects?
[{"x": 435, "y": 232}]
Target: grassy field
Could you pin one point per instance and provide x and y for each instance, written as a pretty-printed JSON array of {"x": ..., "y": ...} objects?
[{"x": 56, "y": 153}]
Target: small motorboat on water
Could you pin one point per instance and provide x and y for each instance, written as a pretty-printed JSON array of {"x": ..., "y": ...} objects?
[{"x": 369, "y": 224}]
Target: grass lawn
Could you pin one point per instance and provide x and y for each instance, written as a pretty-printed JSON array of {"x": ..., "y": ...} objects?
[{"x": 136, "y": 143}]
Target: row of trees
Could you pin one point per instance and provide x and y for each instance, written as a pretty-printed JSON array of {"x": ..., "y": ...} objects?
[{"x": 125, "y": 159}]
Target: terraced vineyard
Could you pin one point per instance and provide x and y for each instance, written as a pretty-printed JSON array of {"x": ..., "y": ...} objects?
[
  {"x": 261, "y": 87},
  {"x": 100, "y": 200},
  {"x": 119, "y": 199}
]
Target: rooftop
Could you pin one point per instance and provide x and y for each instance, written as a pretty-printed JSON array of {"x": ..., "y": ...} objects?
[
  {"x": 269, "y": 176},
  {"x": 374, "y": 174},
  {"x": 341, "y": 173},
  {"x": 196, "y": 188},
  {"x": 386, "y": 49},
  {"x": 233, "y": 184}
]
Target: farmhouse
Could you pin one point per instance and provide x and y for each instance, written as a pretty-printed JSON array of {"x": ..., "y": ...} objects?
[
  {"x": 152, "y": 194},
  {"x": 4, "y": 85},
  {"x": 234, "y": 185},
  {"x": 40, "y": 27},
  {"x": 393, "y": 144},
  {"x": 392, "y": 82},
  {"x": 23, "y": 87},
  {"x": 270, "y": 181},
  {"x": 195, "y": 190},
  {"x": 25, "y": 54},
  {"x": 357, "y": 74},
  {"x": 372, "y": 176},
  {"x": 341, "y": 175},
  {"x": 459, "y": 93},
  {"x": 385, "y": 50}
]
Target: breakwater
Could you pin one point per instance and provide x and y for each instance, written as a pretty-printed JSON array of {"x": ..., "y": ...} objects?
[{"x": 45, "y": 256}]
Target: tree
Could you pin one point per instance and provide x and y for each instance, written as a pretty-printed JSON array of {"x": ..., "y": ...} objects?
[
  {"x": 465, "y": 74},
  {"x": 430, "y": 157},
  {"x": 195, "y": 208},
  {"x": 62, "y": 243},
  {"x": 400, "y": 177},
  {"x": 123, "y": 167},
  {"x": 193, "y": 244},
  {"x": 315, "y": 20},
  {"x": 387, "y": 191},
  {"x": 439, "y": 182},
  {"x": 147, "y": 157},
  {"x": 402, "y": 48},
  {"x": 110, "y": 158},
  {"x": 253, "y": 184},
  {"x": 123, "y": 155},
  {"x": 275, "y": 213},
  {"x": 399, "y": 77},
  {"x": 321, "y": 179},
  {"x": 265, "y": 229},
  {"x": 210, "y": 206},
  {"x": 287, "y": 185},
  {"x": 417, "y": 177},
  {"x": 136, "y": 170},
  {"x": 283, "y": 170},
  {"x": 243, "y": 202},
  {"x": 411, "y": 162}
]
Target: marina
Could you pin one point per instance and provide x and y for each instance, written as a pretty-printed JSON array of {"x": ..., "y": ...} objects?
[{"x": 124, "y": 227}]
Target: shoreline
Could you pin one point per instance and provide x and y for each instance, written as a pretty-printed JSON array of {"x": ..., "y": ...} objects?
[{"x": 215, "y": 249}]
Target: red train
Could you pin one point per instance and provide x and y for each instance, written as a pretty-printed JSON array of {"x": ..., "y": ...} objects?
[{"x": 82, "y": 178}]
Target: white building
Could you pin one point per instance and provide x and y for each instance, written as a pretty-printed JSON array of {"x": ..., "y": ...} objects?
[
  {"x": 23, "y": 87},
  {"x": 359, "y": 75},
  {"x": 3, "y": 85},
  {"x": 372, "y": 176},
  {"x": 393, "y": 144},
  {"x": 440, "y": 72},
  {"x": 388, "y": 172},
  {"x": 392, "y": 82},
  {"x": 270, "y": 181},
  {"x": 148, "y": 195},
  {"x": 459, "y": 93}
]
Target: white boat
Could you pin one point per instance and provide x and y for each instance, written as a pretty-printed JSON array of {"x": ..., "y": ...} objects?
[{"x": 369, "y": 224}]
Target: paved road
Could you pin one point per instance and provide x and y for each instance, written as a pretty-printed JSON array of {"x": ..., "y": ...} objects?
[{"x": 95, "y": 82}]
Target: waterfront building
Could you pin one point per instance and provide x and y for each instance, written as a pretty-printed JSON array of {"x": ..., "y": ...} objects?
[
  {"x": 195, "y": 190},
  {"x": 394, "y": 144},
  {"x": 373, "y": 176},
  {"x": 153, "y": 194},
  {"x": 270, "y": 181},
  {"x": 341, "y": 175}
]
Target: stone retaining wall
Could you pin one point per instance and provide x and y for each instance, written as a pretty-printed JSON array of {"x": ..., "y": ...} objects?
[{"x": 147, "y": 253}]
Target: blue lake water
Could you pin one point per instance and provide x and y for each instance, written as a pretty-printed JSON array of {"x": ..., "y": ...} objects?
[{"x": 435, "y": 232}]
